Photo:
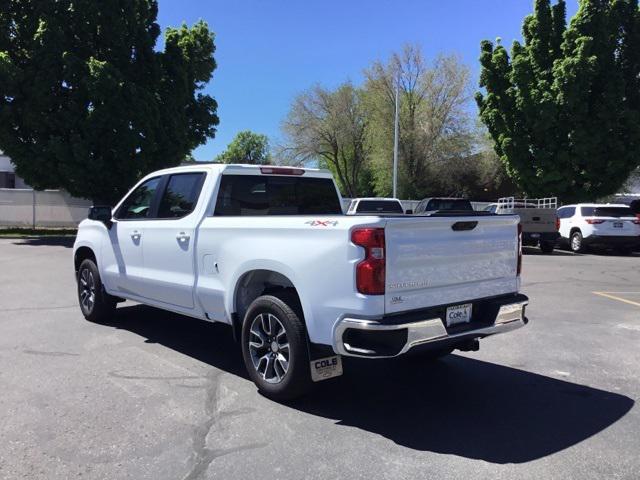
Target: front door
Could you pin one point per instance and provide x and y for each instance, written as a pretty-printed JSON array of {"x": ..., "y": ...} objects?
[
  {"x": 123, "y": 256},
  {"x": 169, "y": 240}
]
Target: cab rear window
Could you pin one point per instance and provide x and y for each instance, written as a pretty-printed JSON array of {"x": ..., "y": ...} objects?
[
  {"x": 445, "y": 204},
  {"x": 248, "y": 195},
  {"x": 379, "y": 206}
]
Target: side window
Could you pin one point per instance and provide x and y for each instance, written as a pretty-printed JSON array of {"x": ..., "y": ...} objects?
[
  {"x": 138, "y": 204},
  {"x": 566, "y": 212},
  {"x": 587, "y": 211},
  {"x": 181, "y": 195},
  {"x": 491, "y": 208}
]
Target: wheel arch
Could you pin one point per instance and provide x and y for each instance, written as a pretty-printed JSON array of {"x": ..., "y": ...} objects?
[
  {"x": 81, "y": 254},
  {"x": 262, "y": 281}
]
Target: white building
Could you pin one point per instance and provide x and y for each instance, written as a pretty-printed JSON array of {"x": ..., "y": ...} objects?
[{"x": 8, "y": 178}]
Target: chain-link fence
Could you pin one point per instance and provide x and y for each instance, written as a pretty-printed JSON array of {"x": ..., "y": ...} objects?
[{"x": 49, "y": 208}]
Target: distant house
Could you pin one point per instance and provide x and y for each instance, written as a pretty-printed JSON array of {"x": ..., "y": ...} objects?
[{"x": 8, "y": 178}]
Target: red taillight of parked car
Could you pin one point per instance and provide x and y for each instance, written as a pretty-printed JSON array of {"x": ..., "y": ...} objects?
[
  {"x": 519, "y": 267},
  {"x": 593, "y": 221},
  {"x": 370, "y": 272},
  {"x": 557, "y": 223}
]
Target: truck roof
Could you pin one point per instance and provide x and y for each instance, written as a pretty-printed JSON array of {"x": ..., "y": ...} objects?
[
  {"x": 595, "y": 205},
  {"x": 384, "y": 199},
  {"x": 244, "y": 169}
]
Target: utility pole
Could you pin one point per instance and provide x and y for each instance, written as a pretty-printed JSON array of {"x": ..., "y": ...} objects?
[
  {"x": 395, "y": 141},
  {"x": 33, "y": 208}
]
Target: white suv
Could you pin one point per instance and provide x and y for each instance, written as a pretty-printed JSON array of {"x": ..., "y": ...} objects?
[{"x": 602, "y": 225}]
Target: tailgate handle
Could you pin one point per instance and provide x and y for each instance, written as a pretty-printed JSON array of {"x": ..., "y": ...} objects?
[{"x": 460, "y": 226}]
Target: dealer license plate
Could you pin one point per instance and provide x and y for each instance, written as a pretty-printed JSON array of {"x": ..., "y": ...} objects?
[
  {"x": 459, "y": 314},
  {"x": 325, "y": 368}
]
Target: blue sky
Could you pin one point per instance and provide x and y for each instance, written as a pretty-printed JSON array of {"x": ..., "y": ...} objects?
[{"x": 270, "y": 50}]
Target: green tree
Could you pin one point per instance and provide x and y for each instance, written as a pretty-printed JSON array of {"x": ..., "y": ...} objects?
[
  {"x": 479, "y": 174},
  {"x": 86, "y": 102},
  {"x": 435, "y": 126},
  {"x": 564, "y": 108},
  {"x": 329, "y": 126},
  {"x": 247, "y": 147}
]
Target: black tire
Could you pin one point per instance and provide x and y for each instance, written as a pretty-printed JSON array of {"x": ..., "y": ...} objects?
[
  {"x": 102, "y": 305},
  {"x": 547, "y": 247},
  {"x": 293, "y": 382},
  {"x": 576, "y": 243},
  {"x": 624, "y": 251}
]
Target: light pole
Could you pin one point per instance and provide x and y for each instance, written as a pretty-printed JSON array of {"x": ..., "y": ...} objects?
[{"x": 395, "y": 140}]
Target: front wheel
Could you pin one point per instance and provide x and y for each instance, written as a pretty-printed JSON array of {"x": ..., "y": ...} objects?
[
  {"x": 96, "y": 304},
  {"x": 274, "y": 348}
]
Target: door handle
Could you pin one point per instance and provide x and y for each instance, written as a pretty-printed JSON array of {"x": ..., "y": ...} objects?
[
  {"x": 135, "y": 235},
  {"x": 182, "y": 237}
]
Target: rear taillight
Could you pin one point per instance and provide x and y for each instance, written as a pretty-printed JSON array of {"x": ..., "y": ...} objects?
[
  {"x": 370, "y": 272},
  {"x": 519, "y": 267},
  {"x": 593, "y": 221},
  {"x": 637, "y": 222},
  {"x": 557, "y": 223}
]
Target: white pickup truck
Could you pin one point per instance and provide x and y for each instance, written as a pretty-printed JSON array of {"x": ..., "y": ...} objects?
[{"x": 269, "y": 251}]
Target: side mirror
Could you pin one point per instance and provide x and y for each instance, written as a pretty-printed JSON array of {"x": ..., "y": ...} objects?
[
  {"x": 408, "y": 211},
  {"x": 101, "y": 213}
]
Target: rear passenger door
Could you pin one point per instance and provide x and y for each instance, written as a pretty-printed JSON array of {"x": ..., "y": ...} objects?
[{"x": 169, "y": 240}]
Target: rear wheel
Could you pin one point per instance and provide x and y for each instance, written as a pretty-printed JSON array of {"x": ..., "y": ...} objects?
[
  {"x": 96, "y": 304},
  {"x": 576, "y": 242},
  {"x": 547, "y": 247},
  {"x": 274, "y": 348}
]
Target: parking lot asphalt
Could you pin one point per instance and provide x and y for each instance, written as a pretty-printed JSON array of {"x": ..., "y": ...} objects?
[{"x": 153, "y": 395}]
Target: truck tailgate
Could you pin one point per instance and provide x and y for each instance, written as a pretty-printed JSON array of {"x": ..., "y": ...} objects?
[
  {"x": 537, "y": 220},
  {"x": 430, "y": 262}
]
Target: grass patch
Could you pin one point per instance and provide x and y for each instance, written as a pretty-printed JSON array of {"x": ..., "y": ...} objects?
[{"x": 38, "y": 232}]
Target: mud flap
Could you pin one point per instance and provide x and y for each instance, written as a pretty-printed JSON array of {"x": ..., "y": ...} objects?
[{"x": 326, "y": 368}]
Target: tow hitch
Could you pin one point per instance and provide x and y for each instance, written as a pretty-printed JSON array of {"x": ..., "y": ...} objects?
[{"x": 469, "y": 346}]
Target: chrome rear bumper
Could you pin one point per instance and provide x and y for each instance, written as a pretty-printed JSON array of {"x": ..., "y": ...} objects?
[{"x": 510, "y": 316}]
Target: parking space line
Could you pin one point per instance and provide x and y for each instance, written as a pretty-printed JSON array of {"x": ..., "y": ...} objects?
[{"x": 620, "y": 299}]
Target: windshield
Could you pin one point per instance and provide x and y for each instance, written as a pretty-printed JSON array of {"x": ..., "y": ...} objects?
[
  {"x": 379, "y": 206},
  {"x": 607, "y": 212}
]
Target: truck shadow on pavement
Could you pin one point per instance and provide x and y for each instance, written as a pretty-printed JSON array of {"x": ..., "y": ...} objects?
[
  {"x": 46, "y": 241},
  {"x": 458, "y": 405}
]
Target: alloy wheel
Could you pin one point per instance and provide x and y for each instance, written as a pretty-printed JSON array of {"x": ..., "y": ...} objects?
[
  {"x": 575, "y": 243},
  {"x": 269, "y": 347},
  {"x": 87, "y": 290}
]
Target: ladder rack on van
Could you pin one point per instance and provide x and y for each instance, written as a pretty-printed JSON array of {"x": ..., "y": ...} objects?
[{"x": 509, "y": 203}]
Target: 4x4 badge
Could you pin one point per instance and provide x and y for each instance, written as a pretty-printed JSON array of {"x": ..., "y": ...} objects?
[{"x": 322, "y": 223}]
